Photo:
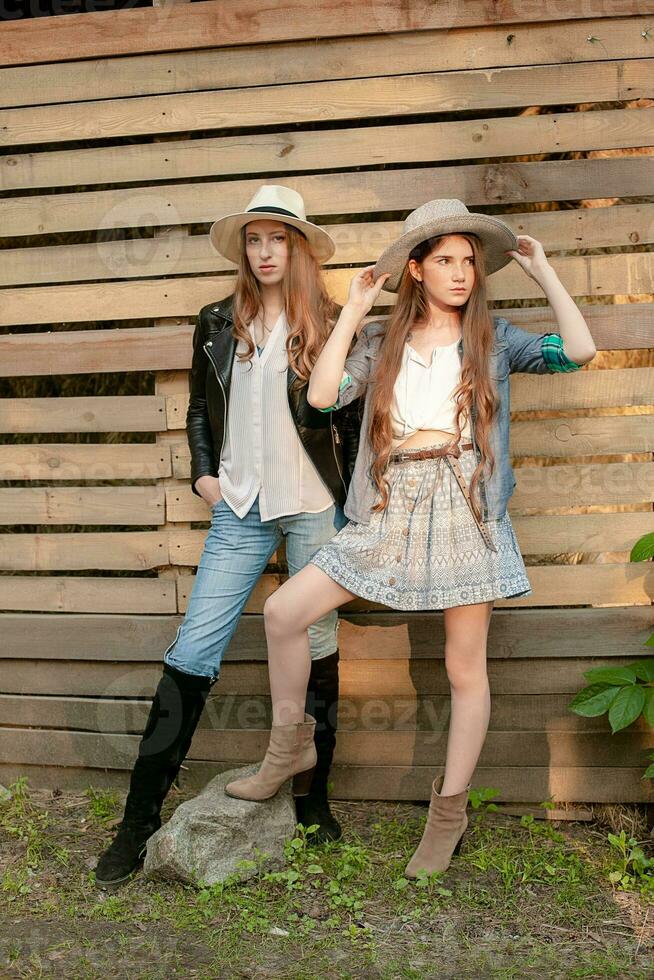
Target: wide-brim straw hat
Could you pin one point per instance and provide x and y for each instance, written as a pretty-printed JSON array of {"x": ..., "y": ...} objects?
[
  {"x": 278, "y": 203},
  {"x": 445, "y": 216}
]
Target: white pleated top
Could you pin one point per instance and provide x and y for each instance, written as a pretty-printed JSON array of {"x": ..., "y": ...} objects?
[
  {"x": 263, "y": 455},
  {"x": 422, "y": 397}
]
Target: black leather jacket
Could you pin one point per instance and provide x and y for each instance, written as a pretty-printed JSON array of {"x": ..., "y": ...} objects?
[{"x": 331, "y": 439}]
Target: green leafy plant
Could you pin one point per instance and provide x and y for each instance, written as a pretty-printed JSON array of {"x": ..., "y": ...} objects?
[
  {"x": 625, "y": 692},
  {"x": 634, "y": 870}
]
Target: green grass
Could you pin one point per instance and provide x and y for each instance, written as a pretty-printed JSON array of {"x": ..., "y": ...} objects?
[{"x": 525, "y": 898}]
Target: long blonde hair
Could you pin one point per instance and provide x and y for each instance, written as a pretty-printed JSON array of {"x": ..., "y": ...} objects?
[
  {"x": 310, "y": 312},
  {"x": 478, "y": 333}
]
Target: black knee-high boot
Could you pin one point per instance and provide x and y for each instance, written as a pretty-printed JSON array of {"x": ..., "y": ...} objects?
[
  {"x": 322, "y": 703},
  {"x": 174, "y": 715}
]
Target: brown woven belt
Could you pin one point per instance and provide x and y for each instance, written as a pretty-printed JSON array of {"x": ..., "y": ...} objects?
[{"x": 450, "y": 452}]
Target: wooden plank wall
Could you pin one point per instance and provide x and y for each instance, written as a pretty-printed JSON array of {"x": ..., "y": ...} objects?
[{"x": 124, "y": 135}]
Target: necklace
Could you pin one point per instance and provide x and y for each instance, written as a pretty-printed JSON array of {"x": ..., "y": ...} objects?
[{"x": 262, "y": 320}]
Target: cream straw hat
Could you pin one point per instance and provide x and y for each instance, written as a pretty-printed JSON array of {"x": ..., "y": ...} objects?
[
  {"x": 278, "y": 203},
  {"x": 445, "y": 216}
]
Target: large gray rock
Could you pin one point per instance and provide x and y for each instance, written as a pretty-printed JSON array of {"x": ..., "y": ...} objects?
[{"x": 207, "y": 836}]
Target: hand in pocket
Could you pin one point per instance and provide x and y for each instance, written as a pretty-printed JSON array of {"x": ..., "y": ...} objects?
[{"x": 209, "y": 489}]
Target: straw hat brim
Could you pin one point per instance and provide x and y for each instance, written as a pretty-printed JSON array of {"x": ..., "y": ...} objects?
[
  {"x": 495, "y": 235},
  {"x": 224, "y": 233}
]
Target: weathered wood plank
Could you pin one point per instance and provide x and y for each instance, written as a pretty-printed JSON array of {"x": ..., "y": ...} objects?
[
  {"x": 587, "y": 389},
  {"x": 304, "y": 102},
  {"x": 87, "y": 594},
  {"x": 519, "y": 785},
  {"x": 522, "y": 633},
  {"x": 84, "y": 461},
  {"x": 131, "y": 550},
  {"x": 334, "y": 194},
  {"x": 144, "y": 298},
  {"x": 118, "y": 751},
  {"x": 536, "y": 535},
  {"x": 358, "y": 678},
  {"x": 106, "y": 413},
  {"x": 537, "y": 487},
  {"x": 558, "y": 437},
  {"x": 240, "y": 22},
  {"x": 552, "y": 585},
  {"x": 181, "y": 297},
  {"x": 97, "y": 351},
  {"x": 135, "y": 258},
  {"x": 562, "y": 438},
  {"x": 509, "y": 712},
  {"x": 614, "y": 388},
  {"x": 82, "y": 505},
  {"x": 582, "y": 485},
  {"x": 169, "y": 348},
  {"x": 557, "y": 42}
]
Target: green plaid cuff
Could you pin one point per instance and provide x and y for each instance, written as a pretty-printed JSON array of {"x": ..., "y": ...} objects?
[
  {"x": 346, "y": 380},
  {"x": 554, "y": 355}
]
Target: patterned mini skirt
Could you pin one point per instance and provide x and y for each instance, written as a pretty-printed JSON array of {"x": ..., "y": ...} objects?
[{"x": 425, "y": 550}]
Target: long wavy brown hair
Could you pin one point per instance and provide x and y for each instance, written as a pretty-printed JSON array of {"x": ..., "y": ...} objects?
[
  {"x": 478, "y": 332},
  {"x": 310, "y": 312}
]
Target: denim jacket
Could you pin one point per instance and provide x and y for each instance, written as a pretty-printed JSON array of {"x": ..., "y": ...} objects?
[{"x": 514, "y": 349}]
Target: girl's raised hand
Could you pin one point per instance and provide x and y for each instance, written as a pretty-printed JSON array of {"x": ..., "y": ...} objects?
[
  {"x": 531, "y": 256},
  {"x": 364, "y": 291}
]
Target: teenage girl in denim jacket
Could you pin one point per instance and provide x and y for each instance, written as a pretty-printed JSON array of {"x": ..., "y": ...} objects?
[{"x": 428, "y": 525}]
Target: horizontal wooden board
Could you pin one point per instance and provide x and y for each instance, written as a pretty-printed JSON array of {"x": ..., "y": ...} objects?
[
  {"x": 300, "y": 61},
  {"x": 131, "y": 550},
  {"x": 400, "y": 96},
  {"x": 82, "y": 505},
  {"x": 135, "y": 258},
  {"x": 354, "y": 748},
  {"x": 145, "y": 298},
  {"x": 87, "y": 594},
  {"x": 169, "y": 347},
  {"x": 525, "y": 633},
  {"x": 118, "y": 751},
  {"x": 582, "y": 485},
  {"x": 358, "y": 678},
  {"x": 615, "y": 388},
  {"x": 555, "y": 438},
  {"x": 557, "y": 392},
  {"x": 240, "y": 22},
  {"x": 552, "y": 585},
  {"x": 496, "y": 183},
  {"x": 545, "y": 713},
  {"x": 108, "y": 413},
  {"x": 562, "y": 438},
  {"x": 158, "y": 348},
  {"x": 519, "y": 785},
  {"x": 536, "y": 535},
  {"x": 84, "y": 461},
  {"x": 537, "y": 487}
]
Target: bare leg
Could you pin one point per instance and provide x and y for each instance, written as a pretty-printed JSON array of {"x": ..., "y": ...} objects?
[
  {"x": 466, "y": 632},
  {"x": 288, "y": 613}
]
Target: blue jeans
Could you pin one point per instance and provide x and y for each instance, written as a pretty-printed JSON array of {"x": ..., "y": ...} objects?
[{"x": 235, "y": 554}]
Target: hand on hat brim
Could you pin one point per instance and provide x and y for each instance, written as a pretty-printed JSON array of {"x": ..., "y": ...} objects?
[{"x": 364, "y": 290}]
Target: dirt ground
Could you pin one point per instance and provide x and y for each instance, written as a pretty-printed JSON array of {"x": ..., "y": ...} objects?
[{"x": 497, "y": 912}]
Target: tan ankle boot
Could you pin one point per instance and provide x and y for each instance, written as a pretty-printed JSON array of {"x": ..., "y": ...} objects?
[
  {"x": 291, "y": 752},
  {"x": 446, "y": 823}
]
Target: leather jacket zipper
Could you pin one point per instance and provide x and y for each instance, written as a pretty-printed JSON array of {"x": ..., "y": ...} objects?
[
  {"x": 335, "y": 439},
  {"x": 222, "y": 388}
]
